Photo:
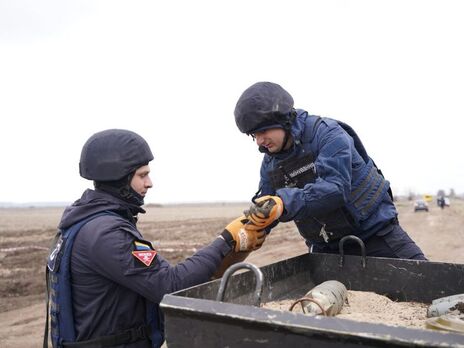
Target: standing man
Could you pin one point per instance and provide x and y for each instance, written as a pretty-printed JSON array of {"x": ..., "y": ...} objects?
[
  {"x": 318, "y": 169},
  {"x": 105, "y": 280}
]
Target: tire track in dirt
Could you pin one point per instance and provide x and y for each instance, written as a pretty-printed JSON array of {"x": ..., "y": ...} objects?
[{"x": 14, "y": 249}]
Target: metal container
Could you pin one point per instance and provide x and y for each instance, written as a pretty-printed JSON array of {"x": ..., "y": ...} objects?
[{"x": 195, "y": 318}]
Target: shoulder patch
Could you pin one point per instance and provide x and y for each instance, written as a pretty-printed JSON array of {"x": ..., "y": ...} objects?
[
  {"x": 142, "y": 246},
  {"x": 144, "y": 252},
  {"x": 145, "y": 256}
]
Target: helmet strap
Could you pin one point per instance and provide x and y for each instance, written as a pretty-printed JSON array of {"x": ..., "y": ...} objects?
[
  {"x": 121, "y": 189},
  {"x": 287, "y": 126},
  {"x": 286, "y": 140},
  {"x": 264, "y": 150},
  {"x": 286, "y": 143}
]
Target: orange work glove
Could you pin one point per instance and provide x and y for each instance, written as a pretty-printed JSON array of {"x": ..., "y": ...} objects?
[
  {"x": 241, "y": 237},
  {"x": 264, "y": 211}
]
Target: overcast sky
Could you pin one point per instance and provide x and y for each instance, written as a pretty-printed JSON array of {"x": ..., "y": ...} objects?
[{"x": 172, "y": 71}]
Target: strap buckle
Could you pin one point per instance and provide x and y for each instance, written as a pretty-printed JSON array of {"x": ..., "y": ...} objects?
[{"x": 139, "y": 333}]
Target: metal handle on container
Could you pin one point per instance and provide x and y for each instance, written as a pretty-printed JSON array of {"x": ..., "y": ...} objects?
[
  {"x": 232, "y": 269},
  {"x": 361, "y": 244}
]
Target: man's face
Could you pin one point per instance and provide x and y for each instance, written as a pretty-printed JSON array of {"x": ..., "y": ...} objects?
[
  {"x": 141, "y": 181},
  {"x": 272, "y": 139}
]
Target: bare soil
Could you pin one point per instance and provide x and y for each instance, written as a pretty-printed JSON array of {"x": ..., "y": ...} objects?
[
  {"x": 370, "y": 307},
  {"x": 177, "y": 232}
]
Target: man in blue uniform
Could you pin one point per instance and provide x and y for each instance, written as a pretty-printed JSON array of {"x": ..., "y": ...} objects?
[
  {"x": 318, "y": 170},
  {"x": 107, "y": 292}
]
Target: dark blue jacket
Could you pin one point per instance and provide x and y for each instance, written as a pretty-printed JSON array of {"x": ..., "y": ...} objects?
[
  {"x": 335, "y": 191},
  {"x": 110, "y": 286}
]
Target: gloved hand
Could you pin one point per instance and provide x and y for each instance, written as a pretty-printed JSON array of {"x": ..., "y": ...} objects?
[
  {"x": 265, "y": 211},
  {"x": 241, "y": 237}
]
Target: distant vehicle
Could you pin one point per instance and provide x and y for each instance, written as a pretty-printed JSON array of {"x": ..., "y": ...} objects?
[
  {"x": 421, "y": 205},
  {"x": 428, "y": 198},
  {"x": 443, "y": 201}
]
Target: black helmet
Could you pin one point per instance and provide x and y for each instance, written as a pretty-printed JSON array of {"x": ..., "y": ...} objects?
[
  {"x": 113, "y": 154},
  {"x": 264, "y": 105}
]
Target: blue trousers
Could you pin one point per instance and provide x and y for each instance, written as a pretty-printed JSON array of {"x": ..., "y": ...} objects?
[{"x": 392, "y": 241}]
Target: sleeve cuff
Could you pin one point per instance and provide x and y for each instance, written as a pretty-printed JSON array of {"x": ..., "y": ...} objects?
[{"x": 221, "y": 243}]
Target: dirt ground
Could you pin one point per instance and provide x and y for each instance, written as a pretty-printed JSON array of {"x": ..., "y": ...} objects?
[{"x": 177, "y": 232}]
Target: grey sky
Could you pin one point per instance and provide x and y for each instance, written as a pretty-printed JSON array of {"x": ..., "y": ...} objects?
[{"x": 173, "y": 70}]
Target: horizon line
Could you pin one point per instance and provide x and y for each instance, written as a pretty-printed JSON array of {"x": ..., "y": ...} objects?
[{"x": 49, "y": 204}]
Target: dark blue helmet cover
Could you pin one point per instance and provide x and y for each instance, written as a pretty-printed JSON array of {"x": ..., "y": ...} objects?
[
  {"x": 112, "y": 154},
  {"x": 263, "y": 105}
]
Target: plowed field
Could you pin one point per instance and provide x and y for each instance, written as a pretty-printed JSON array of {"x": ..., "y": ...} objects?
[{"x": 177, "y": 232}]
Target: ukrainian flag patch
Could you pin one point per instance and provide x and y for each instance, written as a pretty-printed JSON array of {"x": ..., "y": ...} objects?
[
  {"x": 142, "y": 246},
  {"x": 144, "y": 252}
]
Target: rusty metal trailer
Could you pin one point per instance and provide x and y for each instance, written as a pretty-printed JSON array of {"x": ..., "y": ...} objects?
[{"x": 195, "y": 318}]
